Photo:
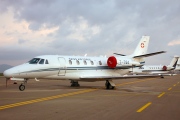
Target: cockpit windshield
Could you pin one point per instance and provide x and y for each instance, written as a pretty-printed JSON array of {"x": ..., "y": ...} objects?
[
  {"x": 38, "y": 61},
  {"x": 34, "y": 61}
]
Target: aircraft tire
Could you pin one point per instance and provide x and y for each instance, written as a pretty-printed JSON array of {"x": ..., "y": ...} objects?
[
  {"x": 107, "y": 84},
  {"x": 22, "y": 87}
]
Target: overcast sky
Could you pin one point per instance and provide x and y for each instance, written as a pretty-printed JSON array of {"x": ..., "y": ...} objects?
[{"x": 29, "y": 28}]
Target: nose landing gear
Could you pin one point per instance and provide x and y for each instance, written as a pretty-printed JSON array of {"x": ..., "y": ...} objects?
[{"x": 22, "y": 87}]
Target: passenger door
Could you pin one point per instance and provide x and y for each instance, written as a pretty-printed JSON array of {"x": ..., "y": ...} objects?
[{"x": 62, "y": 68}]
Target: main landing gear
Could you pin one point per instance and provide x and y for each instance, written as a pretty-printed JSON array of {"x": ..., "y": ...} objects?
[
  {"x": 162, "y": 76},
  {"x": 109, "y": 84},
  {"x": 74, "y": 83}
]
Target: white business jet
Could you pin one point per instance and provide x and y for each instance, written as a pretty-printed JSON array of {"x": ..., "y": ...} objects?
[
  {"x": 156, "y": 69},
  {"x": 81, "y": 68}
]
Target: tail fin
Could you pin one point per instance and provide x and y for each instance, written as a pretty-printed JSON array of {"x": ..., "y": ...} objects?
[
  {"x": 174, "y": 61},
  {"x": 142, "y": 47},
  {"x": 178, "y": 65},
  {"x": 141, "y": 50}
]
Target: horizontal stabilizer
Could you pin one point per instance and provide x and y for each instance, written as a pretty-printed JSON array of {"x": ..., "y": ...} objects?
[
  {"x": 119, "y": 54},
  {"x": 150, "y": 54}
]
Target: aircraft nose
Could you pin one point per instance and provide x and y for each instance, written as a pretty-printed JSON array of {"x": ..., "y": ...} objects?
[{"x": 7, "y": 73}]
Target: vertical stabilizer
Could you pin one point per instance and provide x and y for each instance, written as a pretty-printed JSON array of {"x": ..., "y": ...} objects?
[
  {"x": 178, "y": 65},
  {"x": 174, "y": 61},
  {"x": 142, "y": 46}
]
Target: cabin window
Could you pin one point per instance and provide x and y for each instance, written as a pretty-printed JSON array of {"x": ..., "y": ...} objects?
[
  {"x": 46, "y": 62},
  {"x": 34, "y": 61},
  {"x": 70, "y": 62},
  {"x": 92, "y": 63},
  {"x": 41, "y": 61},
  {"x": 85, "y": 63},
  {"x": 100, "y": 63},
  {"x": 77, "y": 61}
]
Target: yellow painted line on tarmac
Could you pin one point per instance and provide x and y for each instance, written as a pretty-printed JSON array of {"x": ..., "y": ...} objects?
[
  {"x": 59, "y": 96},
  {"x": 170, "y": 88},
  {"x": 44, "y": 99},
  {"x": 144, "y": 107},
  {"x": 174, "y": 85},
  {"x": 161, "y": 94}
]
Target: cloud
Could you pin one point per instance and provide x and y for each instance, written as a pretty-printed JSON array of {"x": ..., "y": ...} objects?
[
  {"x": 89, "y": 26},
  {"x": 174, "y": 42},
  {"x": 20, "y": 41}
]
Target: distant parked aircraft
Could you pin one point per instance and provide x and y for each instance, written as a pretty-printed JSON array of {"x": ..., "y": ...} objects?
[{"x": 156, "y": 69}]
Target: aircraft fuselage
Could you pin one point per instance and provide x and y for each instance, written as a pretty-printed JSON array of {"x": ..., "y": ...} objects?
[{"x": 68, "y": 67}]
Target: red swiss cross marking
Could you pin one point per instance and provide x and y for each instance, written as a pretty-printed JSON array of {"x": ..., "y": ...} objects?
[{"x": 142, "y": 45}]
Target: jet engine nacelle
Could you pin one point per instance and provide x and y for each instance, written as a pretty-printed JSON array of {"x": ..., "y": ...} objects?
[
  {"x": 114, "y": 62},
  {"x": 164, "y": 68}
]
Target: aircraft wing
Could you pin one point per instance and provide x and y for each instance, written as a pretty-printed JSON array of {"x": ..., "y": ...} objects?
[
  {"x": 150, "y": 54},
  {"x": 167, "y": 74},
  {"x": 99, "y": 78}
]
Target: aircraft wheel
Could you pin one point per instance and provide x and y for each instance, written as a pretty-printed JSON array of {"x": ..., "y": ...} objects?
[
  {"x": 112, "y": 87},
  {"x": 74, "y": 83},
  {"x": 22, "y": 87},
  {"x": 107, "y": 84}
]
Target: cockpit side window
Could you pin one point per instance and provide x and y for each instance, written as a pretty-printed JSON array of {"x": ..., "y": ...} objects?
[
  {"x": 41, "y": 61},
  {"x": 34, "y": 61},
  {"x": 46, "y": 62}
]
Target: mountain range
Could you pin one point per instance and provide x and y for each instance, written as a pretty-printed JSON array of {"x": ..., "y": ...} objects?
[{"x": 4, "y": 67}]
